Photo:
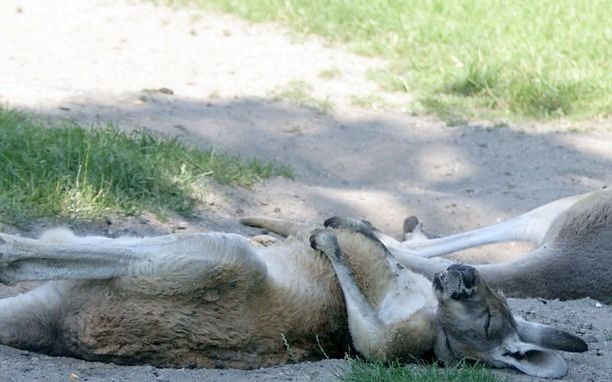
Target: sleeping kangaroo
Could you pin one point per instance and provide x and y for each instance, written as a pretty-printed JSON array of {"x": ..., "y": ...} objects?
[
  {"x": 572, "y": 258},
  {"x": 220, "y": 300}
]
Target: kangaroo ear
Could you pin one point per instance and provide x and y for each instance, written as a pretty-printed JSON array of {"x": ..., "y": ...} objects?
[
  {"x": 533, "y": 360},
  {"x": 548, "y": 337}
]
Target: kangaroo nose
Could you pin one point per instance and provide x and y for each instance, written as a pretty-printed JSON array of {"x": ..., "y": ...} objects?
[{"x": 468, "y": 274}]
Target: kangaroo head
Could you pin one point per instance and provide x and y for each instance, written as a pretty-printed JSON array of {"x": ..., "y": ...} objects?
[{"x": 475, "y": 323}]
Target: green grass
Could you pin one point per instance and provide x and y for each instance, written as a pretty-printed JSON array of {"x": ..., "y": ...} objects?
[
  {"x": 330, "y": 73},
  {"x": 70, "y": 171},
  {"x": 372, "y": 101},
  {"x": 535, "y": 59},
  {"x": 359, "y": 371}
]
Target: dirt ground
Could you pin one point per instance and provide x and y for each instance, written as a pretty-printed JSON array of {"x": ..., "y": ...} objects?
[{"x": 92, "y": 60}]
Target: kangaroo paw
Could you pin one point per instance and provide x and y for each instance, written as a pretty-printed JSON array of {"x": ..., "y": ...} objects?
[
  {"x": 325, "y": 241},
  {"x": 341, "y": 222},
  {"x": 363, "y": 227}
]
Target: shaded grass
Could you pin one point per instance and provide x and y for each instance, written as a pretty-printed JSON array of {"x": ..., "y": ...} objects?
[
  {"x": 360, "y": 371},
  {"x": 539, "y": 59},
  {"x": 71, "y": 171}
]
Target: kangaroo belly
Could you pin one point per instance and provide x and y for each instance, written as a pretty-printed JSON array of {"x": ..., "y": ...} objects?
[
  {"x": 102, "y": 322},
  {"x": 123, "y": 321}
]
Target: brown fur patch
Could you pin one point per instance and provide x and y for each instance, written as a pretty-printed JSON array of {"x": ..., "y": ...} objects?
[{"x": 366, "y": 259}]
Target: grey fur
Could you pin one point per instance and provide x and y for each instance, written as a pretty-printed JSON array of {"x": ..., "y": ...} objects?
[{"x": 572, "y": 258}]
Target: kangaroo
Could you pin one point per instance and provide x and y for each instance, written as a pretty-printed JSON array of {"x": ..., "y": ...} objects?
[
  {"x": 221, "y": 300},
  {"x": 572, "y": 256}
]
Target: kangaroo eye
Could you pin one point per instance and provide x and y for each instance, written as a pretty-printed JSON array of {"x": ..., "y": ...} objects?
[{"x": 487, "y": 324}]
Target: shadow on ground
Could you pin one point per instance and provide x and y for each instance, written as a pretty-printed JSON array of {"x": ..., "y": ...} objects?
[{"x": 378, "y": 166}]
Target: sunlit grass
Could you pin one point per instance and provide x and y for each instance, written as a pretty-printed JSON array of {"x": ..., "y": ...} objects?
[
  {"x": 360, "y": 371},
  {"x": 330, "y": 73},
  {"x": 69, "y": 171},
  {"x": 541, "y": 59},
  {"x": 300, "y": 93},
  {"x": 371, "y": 101}
]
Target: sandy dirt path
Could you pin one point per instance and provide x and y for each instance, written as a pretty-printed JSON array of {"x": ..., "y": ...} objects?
[{"x": 93, "y": 60}]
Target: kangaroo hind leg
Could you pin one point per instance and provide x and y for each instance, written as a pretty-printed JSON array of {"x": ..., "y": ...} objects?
[
  {"x": 531, "y": 227},
  {"x": 187, "y": 258}
]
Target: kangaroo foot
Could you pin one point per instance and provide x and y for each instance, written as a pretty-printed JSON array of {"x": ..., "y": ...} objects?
[
  {"x": 410, "y": 224},
  {"x": 413, "y": 230}
]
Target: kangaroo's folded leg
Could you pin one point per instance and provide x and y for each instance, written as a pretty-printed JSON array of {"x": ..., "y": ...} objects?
[
  {"x": 413, "y": 234},
  {"x": 531, "y": 227},
  {"x": 90, "y": 258}
]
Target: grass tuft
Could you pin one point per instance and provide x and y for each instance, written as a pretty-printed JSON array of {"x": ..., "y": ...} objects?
[
  {"x": 542, "y": 97},
  {"x": 299, "y": 94},
  {"x": 541, "y": 59},
  {"x": 473, "y": 81},
  {"x": 372, "y": 101},
  {"x": 70, "y": 171},
  {"x": 330, "y": 73},
  {"x": 360, "y": 371}
]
